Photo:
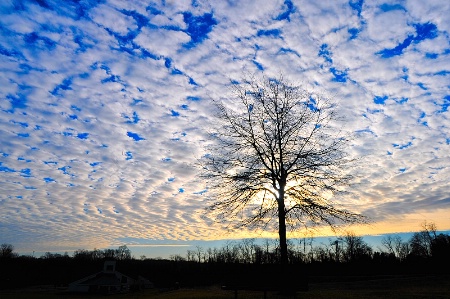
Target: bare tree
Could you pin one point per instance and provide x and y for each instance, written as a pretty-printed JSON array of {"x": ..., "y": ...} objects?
[
  {"x": 421, "y": 241},
  {"x": 177, "y": 258},
  {"x": 190, "y": 256},
  {"x": 277, "y": 156},
  {"x": 395, "y": 246},
  {"x": 389, "y": 242},
  {"x": 247, "y": 247},
  {"x": 123, "y": 253},
  {"x": 199, "y": 253},
  {"x": 355, "y": 248},
  {"x": 7, "y": 251},
  {"x": 440, "y": 247},
  {"x": 404, "y": 249}
]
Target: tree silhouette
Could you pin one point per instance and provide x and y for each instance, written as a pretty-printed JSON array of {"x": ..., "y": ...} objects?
[
  {"x": 7, "y": 251},
  {"x": 355, "y": 248},
  {"x": 421, "y": 241},
  {"x": 277, "y": 155}
]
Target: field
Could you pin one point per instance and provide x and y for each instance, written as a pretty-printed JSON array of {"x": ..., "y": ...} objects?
[{"x": 397, "y": 287}]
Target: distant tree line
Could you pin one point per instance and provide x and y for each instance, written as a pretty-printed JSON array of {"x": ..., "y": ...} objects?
[
  {"x": 426, "y": 252},
  {"x": 425, "y": 244},
  {"x": 121, "y": 253},
  {"x": 54, "y": 268},
  {"x": 349, "y": 248}
]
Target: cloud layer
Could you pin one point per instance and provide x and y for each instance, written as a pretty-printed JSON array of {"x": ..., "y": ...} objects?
[{"x": 105, "y": 107}]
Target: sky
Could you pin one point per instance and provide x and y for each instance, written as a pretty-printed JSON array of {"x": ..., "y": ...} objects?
[{"x": 106, "y": 107}]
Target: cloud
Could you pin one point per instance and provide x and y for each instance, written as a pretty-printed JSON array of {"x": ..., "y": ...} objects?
[{"x": 107, "y": 107}]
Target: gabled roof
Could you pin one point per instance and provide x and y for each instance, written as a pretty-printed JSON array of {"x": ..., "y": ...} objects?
[
  {"x": 104, "y": 278},
  {"x": 101, "y": 278}
]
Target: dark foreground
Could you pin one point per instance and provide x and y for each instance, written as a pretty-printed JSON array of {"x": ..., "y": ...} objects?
[{"x": 398, "y": 287}]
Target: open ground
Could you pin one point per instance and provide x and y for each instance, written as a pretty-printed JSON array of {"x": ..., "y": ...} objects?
[{"x": 398, "y": 287}]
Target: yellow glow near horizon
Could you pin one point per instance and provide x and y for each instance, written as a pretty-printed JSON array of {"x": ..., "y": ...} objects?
[{"x": 402, "y": 224}]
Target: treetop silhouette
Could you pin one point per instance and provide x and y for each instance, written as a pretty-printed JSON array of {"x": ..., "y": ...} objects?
[{"x": 277, "y": 155}]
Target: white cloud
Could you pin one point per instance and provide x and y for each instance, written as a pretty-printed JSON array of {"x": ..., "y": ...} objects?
[
  {"x": 162, "y": 41},
  {"x": 112, "y": 19},
  {"x": 80, "y": 180}
]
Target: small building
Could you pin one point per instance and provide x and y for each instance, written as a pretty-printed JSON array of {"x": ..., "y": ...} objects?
[
  {"x": 108, "y": 281},
  {"x": 144, "y": 283}
]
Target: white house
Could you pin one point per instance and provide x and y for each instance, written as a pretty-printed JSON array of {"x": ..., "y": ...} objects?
[{"x": 107, "y": 281}]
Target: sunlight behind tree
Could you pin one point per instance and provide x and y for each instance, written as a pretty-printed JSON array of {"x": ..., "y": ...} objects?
[{"x": 277, "y": 155}]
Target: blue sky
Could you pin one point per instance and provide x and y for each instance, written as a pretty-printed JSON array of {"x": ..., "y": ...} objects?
[{"x": 105, "y": 108}]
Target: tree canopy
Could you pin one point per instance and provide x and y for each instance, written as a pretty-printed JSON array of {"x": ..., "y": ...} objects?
[{"x": 277, "y": 153}]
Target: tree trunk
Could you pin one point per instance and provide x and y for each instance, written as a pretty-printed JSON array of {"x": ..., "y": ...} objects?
[
  {"x": 282, "y": 232},
  {"x": 283, "y": 280},
  {"x": 282, "y": 222}
]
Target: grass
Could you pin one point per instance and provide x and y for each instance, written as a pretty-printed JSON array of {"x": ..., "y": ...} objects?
[{"x": 399, "y": 287}]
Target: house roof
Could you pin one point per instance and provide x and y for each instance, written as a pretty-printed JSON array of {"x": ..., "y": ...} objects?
[
  {"x": 101, "y": 278},
  {"x": 104, "y": 278}
]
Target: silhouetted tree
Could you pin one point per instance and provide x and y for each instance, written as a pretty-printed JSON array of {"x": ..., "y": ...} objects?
[
  {"x": 440, "y": 247},
  {"x": 82, "y": 254},
  {"x": 49, "y": 255},
  {"x": 355, "y": 248},
  {"x": 199, "y": 253},
  {"x": 123, "y": 253},
  {"x": 404, "y": 250},
  {"x": 395, "y": 246},
  {"x": 177, "y": 258},
  {"x": 421, "y": 241},
  {"x": 277, "y": 155},
  {"x": 97, "y": 254},
  {"x": 247, "y": 250},
  {"x": 320, "y": 254},
  {"x": 7, "y": 251},
  {"x": 109, "y": 253},
  {"x": 190, "y": 255},
  {"x": 230, "y": 252}
]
